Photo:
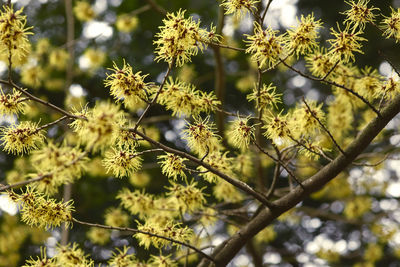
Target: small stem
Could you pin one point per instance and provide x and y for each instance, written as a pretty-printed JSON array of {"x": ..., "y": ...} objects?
[
  {"x": 22, "y": 183},
  {"x": 334, "y": 84},
  {"x": 281, "y": 162},
  {"x": 323, "y": 127},
  {"x": 145, "y": 233},
  {"x": 45, "y": 103},
  {"x": 157, "y": 7},
  {"x": 155, "y": 98}
]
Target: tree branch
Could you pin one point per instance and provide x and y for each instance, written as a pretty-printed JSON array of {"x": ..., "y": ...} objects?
[{"x": 228, "y": 249}]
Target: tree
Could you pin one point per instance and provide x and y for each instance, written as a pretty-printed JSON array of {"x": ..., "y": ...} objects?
[{"x": 170, "y": 141}]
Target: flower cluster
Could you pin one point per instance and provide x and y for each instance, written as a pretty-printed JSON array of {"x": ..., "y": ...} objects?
[
  {"x": 390, "y": 88},
  {"x": 239, "y": 7},
  {"x": 116, "y": 217},
  {"x": 64, "y": 163},
  {"x": 183, "y": 98},
  {"x": 301, "y": 39},
  {"x": 100, "y": 124},
  {"x": 266, "y": 97},
  {"x": 359, "y": 14},
  {"x": 36, "y": 210},
  {"x": 68, "y": 256},
  {"x": 122, "y": 162},
  {"x": 369, "y": 84},
  {"x": 201, "y": 137},
  {"x": 241, "y": 133},
  {"x": 83, "y": 11},
  {"x": 13, "y": 34},
  {"x": 126, "y": 23},
  {"x": 172, "y": 165},
  {"x": 12, "y": 103},
  {"x": 186, "y": 198},
  {"x": 127, "y": 86},
  {"x": 277, "y": 128},
  {"x": 345, "y": 44},
  {"x": 319, "y": 62},
  {"x": 391, "y": 25},
  {"x": 180, "y": 39},
  {"x": 170, "y": 230},
  {"x": 21, "y": 138},
  {"x": 218, "y": 161},
  {"x": 303, "y": 120},
  {"x": 265, "y": 46},
  {"x": 72, "y": 255},
  {"x": 137, "y": 202}
]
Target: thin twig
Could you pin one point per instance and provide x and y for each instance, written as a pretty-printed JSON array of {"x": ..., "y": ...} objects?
[
  {"x": 237, "y": 183},
  {"x": 389, "y": 61},
  {"x": 265, "y": 11},
  {"x": 226, "y": 46},
  {"x": 157, "y": 7},
  {"x": 333, "y": 84},
  {"x": 45, "y": 103},
  {"x": 280, "y": 161},
  {"x": 156, "y": 96},
  {"x": 145, "y": 233},
  {"x": 50, "y": 124},
  {"x": 323, "y": 127},
  {"x": 146, "y": 151},
  {"x": 140, "y": 10},
  {"x": 22, "y": 183}
]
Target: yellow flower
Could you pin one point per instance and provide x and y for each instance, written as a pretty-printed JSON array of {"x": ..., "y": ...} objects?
[
  {"x": 303, "y": 121},
  {"x": 136, "y": 202},
  {"x": 319, "y": 62},
  {"x": 58, "y": 59},
  {"x": 200, "y": 136},
  {"x": 21, "y": 138},
  {"x": 266, "y": 97},
  {"x": 96, "y": 58},
  {"x": 218, "y": 161},
  {"x": 239, "y": 7},
  {"x": 102, "y": 121},
  {"x": 115, "y": 217},
  {"x": 301, "y": 39},
  {"x": 122, "y": 258},
  {"x": 13, "y": 34},
  {"x": 183, "y": 98},
  {"x": 187, "y": 198},
  {"x": 127, "y": 86},
  {"x": 40, "y": 211},
  {"x": 126, "y": 23},
  {"x": 359, "y": 14},
  {"x": 277, "y": 128},
  {"x": 390, "y": 88},
  {"x": 12, "y": 103},
  {"x": 33, "y": 76},
  {"x": 391, "y": 25},
  {"x": 265, "y": 46},
  {"x": 344, "y": 45},
  {"x": 180, "y": 39},
  {"x": 241, "y": 133},
  {"x": 171, "y": 230},
  {"x": 72, "y": 256},
  {"x": 162, "y": 261},
  {"x": 98, "y": 235},
  {"x": 172, "y": 165},
  {"x": 122, "y": 162},
  {"x": 65, "y": 164},
  {"x": 83, "y": 11}
]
